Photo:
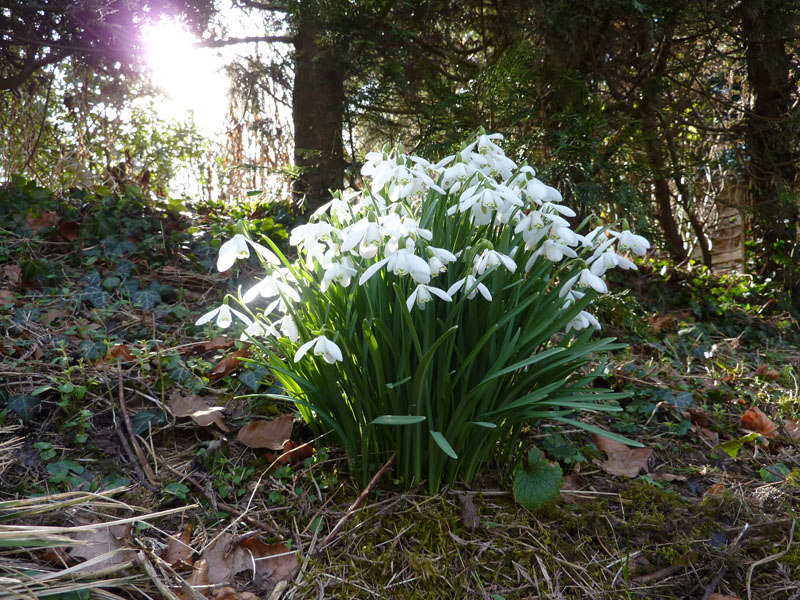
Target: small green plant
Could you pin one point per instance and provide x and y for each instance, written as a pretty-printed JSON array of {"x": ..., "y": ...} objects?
[{"x": 434, "y": 318}]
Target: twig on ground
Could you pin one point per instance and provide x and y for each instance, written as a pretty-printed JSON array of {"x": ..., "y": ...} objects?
[
  {"x": 148, "y": 470},
  {"x": 358, "y": 502},
  {"x": 151, "y": 572},
  {"x": 724, "y": 568}
]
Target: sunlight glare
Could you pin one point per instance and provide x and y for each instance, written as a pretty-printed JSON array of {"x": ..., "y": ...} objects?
[{"x": 191, "y": 78}]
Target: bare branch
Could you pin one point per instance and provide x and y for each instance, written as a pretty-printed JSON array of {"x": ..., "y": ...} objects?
[
  {"x": 270, "y": 39},
  {"x": 271, "y": 6}
]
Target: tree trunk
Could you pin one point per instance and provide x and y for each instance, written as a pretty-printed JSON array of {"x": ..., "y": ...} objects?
[
  {"x": 317, "y": 114},
  {"x": 770, "y": 139}
]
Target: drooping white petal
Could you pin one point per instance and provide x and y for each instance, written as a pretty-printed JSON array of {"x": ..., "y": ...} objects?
[
  {"x": 234, "y": 248},
  {"x": 265, "y": 253},
  {"x": 207, "y": 317},
  {"x": 593, "y": 281},
  {"x": 301, "y": 351},
  {"x": 372, "y": 270}
]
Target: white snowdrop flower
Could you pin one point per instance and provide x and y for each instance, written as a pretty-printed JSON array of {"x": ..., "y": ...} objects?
[
  {"x": 339, "y": 272},
  {"x": 310, "y": 233},
  {"x": 323, "y": 347},
  {"x": 237, "y": 247},
  {"x": 491, "y": 258},
  {"x": 593, "y": 281},
  {"x": 288, "y": 328},
  {"x": 423, "y": 294},
  {"x": 472, "y": 286},
  {"x": 635, "y": 243},
  {"x": 258, "y": 329},
  {"x": 224, "y": 314}
]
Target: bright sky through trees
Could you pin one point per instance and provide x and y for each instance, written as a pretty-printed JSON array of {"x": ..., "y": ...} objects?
[{"x": 191, "y": 78}]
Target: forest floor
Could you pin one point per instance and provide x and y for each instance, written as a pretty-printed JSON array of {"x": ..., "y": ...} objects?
[{"x": 122, "y": 474}]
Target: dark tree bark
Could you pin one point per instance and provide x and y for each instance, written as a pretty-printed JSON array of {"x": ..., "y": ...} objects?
[
  {"x": 771, "y": 132},
  {"x": 317, "y": 112}
]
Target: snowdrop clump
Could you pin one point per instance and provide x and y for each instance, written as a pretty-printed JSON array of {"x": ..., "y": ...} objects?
[{"x": 416, "y": 308}]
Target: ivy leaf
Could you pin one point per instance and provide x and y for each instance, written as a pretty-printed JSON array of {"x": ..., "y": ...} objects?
[
  {"x": 145, "y": 299},
  {"x": 23, "y": 406},
  {"x": 732, "y": 447},
  {"x": 539, "y": 484}
]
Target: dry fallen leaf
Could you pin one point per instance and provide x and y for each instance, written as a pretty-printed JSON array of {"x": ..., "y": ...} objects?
[
  {"x": 39, "y": 222},
  {"x": 608, "y": 445},
  {"x": 275, "y": 561},
  {"x": 7, "y": 296},
  {"x": 627, "y": 463},
  {"x": 228, "y": 364},
  {"x": 712, "y": 436},
  {"x": 293, "y": 453},
  {"x": 698, "y": 416},
  {"x": 228, "y": 593},
  {"x": 53, "y": 315},
  {"x": 755, "y": 420},
  {"x": 200, "y": 410},
  {"x": 114, "y": 538},
  {"x": 121, "y": 351},
  {"x": 715, "y": 489},
  {"x": 11, "y": 273},
  {"x": 226, "y": 558},
  {"x": 178, "y": 551},
  {"x": 469, "y": 514},
  {"x": 569, "y": 491},
  {"x": 58, "y": 557},
  {"x": 792, "y": 428},
  {"x": 218, "y": 343},
  {"x": 716, "y": 596},
  {"x": 197, "y": 580},
  {"x": 267, "y": 434},
  {"x": 662, "y": 322}
]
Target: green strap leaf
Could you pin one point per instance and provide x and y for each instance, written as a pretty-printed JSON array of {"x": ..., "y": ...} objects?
[
  {"x": 397, "y": 420},
  {"x": 442, "y": 442}
]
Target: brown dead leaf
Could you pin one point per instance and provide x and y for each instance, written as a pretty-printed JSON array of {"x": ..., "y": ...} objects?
[
  {"x": 69, "y": 230},
  {"x": 7, "y": 296},
  {"x": 58, "y": 557},
  {"x": 218, "y": 343},
  {"x": 226, "y": 558},
  {"x": 608, "y": 445},
  {"x": 792, "y": 429},
  {"x": 712, "y": 436},
  {"x": 662, "y": 322},
  {"x": 39, "y": 222},
  {"x": 716, "y": 596},
  {"x": 469, "y": 514},
  {"x": 113, "y": 538},
  {"x": 761, "y": 370},
  {"x": 54, "y": 315},
  {"x": 179, "y": 551},
  {"x": 569, "y": 491},
  {"x": 197, "y": 580},
  {"x": 698, "y": 416},
  {"x": 11, "y": 273},
  {"x": 755, "y": 420},
  {"x": 228, "y": 593},
  {"x": 715, "y": 489},
  {"x": 275, "y": 561},
  {"x": 198, "y": 409},
  {"x": 627, "y": 463},
  {"x": 667, "y": 477},
  {"x": 228, "y": 364},
  {"x": 294, "y": 453},
  {"x": 121, "y": 351},
  {"x": 267, "y": 434}
]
